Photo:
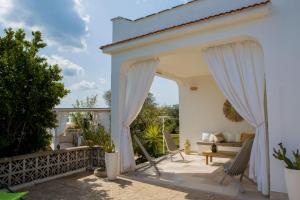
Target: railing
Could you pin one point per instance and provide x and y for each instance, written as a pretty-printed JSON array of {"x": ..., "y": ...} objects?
[{"x": 42, "y": 166}]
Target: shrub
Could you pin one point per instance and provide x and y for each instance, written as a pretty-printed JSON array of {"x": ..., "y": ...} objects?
[{"x": 29, "y": 90}]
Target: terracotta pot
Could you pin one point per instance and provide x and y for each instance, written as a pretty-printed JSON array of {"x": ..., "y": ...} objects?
[{"x": 292, "y": 180}]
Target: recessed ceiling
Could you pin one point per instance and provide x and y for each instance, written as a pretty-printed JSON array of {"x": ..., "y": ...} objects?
[{"x": 184, "y": 63}]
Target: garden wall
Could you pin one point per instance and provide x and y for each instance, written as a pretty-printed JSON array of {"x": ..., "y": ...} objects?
[{"x": 44, "y": 166}]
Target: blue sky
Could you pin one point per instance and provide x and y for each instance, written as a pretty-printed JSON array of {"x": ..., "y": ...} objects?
[{"x": 74, "y": 30}]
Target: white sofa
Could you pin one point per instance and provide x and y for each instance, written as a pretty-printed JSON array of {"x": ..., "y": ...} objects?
[{"x": 232, "y": 142}]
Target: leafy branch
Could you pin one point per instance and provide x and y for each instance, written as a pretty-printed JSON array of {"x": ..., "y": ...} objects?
[{"x": 280, "y": 154}]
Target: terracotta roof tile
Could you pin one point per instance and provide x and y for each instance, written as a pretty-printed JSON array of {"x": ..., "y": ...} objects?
[{"x": 187, "y": 23}]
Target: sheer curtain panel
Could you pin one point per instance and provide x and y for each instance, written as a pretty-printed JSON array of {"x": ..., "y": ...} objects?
[{"x": 238, "y": 69}]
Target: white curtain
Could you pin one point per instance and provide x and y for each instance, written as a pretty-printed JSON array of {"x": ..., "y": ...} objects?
[
  {"x": 62, "y": 119},
  {"x": 238, "y": 69},
  {"x": 139, "y": 78}
]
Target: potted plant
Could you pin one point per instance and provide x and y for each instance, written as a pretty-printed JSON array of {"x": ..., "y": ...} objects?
[
  {"x": 187, "y": 147},
  {"x": 95, "y": 135},
  {"x": 291, "y": 171},
  {"x": 111, "y": 158}
]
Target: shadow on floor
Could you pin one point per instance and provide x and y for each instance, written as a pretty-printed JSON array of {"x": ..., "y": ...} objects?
[
  {"x": 75, "y": 187},
  {"x": 190, "y": 194}
]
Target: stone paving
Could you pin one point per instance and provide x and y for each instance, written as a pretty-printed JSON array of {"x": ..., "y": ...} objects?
[
  {"x": 188, "y": 179},
  {"x": 85, "y": 186}
]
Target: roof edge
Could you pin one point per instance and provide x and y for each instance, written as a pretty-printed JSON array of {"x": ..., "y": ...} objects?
[
  {"x": 156, "y": 13},
  {"x": 188, "y": 23}
]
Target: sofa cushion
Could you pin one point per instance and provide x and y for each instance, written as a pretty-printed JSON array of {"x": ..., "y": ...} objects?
[
  {"x": 231, "y": 136},
  {"x": 223, "y": 144},
  {"x": 211, "y": 137},
  {"x": 205, "y": 136},
  {"x": 219, "y": 137}
]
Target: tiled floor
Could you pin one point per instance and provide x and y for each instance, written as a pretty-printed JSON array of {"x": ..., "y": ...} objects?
[
  {"x": 88, "y": 187},
  {"x": 191, "y": 179},
  {"x": 193, "y": 173}
]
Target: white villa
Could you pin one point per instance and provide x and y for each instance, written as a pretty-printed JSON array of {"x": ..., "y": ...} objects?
[
  {"x": 245, "y": 51},
  {"x": 66, "y": 137}
]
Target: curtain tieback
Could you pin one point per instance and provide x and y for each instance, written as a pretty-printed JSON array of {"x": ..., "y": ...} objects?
[
  {"x": 260, "y": 124},
  {"x": 125, "y": 125}
]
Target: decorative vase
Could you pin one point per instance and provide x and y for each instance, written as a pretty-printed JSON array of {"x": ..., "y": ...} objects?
[
  {"x": 292, "y": 180},
  {"x": 214, "y": 148},
  {"x": 111, "y": 163}
]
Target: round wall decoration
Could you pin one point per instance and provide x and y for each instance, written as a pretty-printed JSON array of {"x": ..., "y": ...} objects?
[{"x": 230, "y": 113}]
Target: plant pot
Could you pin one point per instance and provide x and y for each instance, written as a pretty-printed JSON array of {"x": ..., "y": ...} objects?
[
  {"x": 111, "y": 163},
  {"x": 187, "y": 151},
  {"x": 292, "y": 179}
]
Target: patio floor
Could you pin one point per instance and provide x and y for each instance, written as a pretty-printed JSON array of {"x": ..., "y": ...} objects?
[
  {"x": 191, "y": 179},
  {"x": 193, "y": 173},
  {"x": 85, "y": 186}
]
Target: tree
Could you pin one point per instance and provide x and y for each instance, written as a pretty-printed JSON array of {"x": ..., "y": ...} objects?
[
  {"x": 29, "y": 90},
  {"x": 172, "y": 122},
  {"x": 147, "y": 126},
  {"x": 147, "y": 116},
  {"x": 83, "y": 119},
  {"x": 107, "y": 97}
]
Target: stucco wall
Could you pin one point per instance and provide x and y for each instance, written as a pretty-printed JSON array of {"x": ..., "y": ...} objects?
[
  {"x": 278, "y": 34},
  {"x": 124, "y": 28},
  {"x": 202, "y": 111}
]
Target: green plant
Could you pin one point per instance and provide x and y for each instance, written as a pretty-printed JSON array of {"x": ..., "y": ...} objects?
[
  {"x": 108, "y": 144},
  {"x": 96, "y": 135},
  {"x": 149, "y": 116},
  {"x": 153, "y": 140},
  {"x": 29, "y": 90},
  {"x": 187, "y": 147},
  {"x": 280, "y": 154},
  {"x": 83, "y": 120}
]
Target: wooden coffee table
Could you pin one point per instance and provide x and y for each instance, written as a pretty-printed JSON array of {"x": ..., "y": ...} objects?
[{"x": 219, "y": 154}]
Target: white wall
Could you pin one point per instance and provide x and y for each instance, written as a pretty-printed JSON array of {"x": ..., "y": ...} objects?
[
  {"x": 202, "y": 111},
  {"x": 104, "y": 120},
  {"x": 125, "y": 28},
  {"x": 278, "y": 33}
]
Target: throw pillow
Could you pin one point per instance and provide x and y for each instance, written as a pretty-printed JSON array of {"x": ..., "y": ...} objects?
[
  {"x": 205, "y": 137},
  {"x": 211, "y": 137},
  {"x": 229, "y": 137},
  {"x": 219, "y": 137}
]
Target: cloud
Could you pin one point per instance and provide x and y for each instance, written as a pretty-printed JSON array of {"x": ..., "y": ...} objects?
[
  {"x": 84, "y": 85},
  {"x": 68, "y": 67},
  {"x": 103, "y": 81},
  {"x": 62, "y": 21}
]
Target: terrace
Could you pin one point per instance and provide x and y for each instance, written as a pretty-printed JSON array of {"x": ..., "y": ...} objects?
[{"x": 191, "y": 179}]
